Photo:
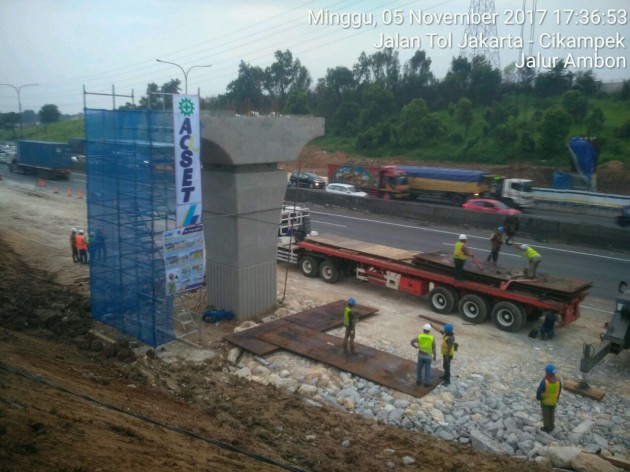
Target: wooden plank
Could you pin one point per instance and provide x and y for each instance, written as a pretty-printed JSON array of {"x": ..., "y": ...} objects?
[{"x": 584, "y": 390}]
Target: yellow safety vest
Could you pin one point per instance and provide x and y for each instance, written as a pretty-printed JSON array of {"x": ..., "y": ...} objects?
[
  {"x": 550, "y": 396},
  {"x": 530, "y": 252},
  {"x": 444, "y": 348},
  {"x": 459, "y": 251},
  {"x": 425, "y": 343},
  {"x": 346, "y": 316}
]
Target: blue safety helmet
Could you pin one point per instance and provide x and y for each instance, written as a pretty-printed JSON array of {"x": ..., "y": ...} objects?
[
  {"x": 550, "y": 369},
  {"x": 448, "y": 328},
  {"x": 501, "y": 229},
  {"x": 352, "y": 301}
]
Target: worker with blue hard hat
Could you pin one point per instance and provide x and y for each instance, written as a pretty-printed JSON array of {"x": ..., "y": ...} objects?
[
  {"x": 548, "y": 394},
  {"x": 448, "y": 349},
  {"x": 350, "y": 322},
  {"x": 496, "y": 241}
]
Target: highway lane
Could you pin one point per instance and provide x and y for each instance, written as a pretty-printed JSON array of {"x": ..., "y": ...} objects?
[{"x": 604, "y": 268}]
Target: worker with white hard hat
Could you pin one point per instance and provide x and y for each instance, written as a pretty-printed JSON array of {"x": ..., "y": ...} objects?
[
  {"x": 534, "y": 260},
  {"x": 425, "y": 344},
  {"x": 460, "y": 255}
]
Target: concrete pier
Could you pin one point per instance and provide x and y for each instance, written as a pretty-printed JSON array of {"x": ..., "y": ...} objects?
[{"x": 243, "y": 192}]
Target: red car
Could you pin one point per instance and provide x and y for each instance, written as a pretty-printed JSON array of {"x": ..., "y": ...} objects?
[{"x": 490, "y": 206}]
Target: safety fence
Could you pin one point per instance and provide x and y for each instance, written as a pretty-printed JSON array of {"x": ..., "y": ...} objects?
[{"x": 131, "y": 202}]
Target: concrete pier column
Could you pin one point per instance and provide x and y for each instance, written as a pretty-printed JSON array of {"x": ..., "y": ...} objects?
[{"x": 243, "y": 191}]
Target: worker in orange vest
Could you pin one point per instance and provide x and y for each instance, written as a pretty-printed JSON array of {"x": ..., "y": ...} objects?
[
  {"x": 547, "y": 394},
  {"x": 82, "y": 247},
  {"x": 73, "y": 245}
]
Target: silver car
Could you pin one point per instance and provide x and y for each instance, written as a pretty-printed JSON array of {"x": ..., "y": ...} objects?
[{"x": 345, "y": 189}]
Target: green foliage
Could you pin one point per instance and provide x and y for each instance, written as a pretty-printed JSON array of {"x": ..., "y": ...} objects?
[
  {"x": 575, "y": 104},
  {"x": 49, "y": 114},
  {"x": 61, "y": 131},
  {"x": 464, "y": 113},
  {"x": 554, "y": 132},
  {"x": 594, "y": 121}
]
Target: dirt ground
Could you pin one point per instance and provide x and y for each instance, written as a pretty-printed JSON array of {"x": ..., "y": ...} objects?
[{"x": 70, "y": 401}]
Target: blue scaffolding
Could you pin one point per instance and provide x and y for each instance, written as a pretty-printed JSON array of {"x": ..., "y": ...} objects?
[{"x": 130, "y": 203}]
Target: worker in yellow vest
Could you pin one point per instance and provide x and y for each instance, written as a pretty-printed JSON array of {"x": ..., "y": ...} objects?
[
  {"x": 534, "y": 260},
  {"x": 448, "y": 351},
  {"x": 350, "y": 322},
  {"x": 425, "y": 343},
  {"x": 460, "y": 255},
  {"x": 547, "y": 394}
]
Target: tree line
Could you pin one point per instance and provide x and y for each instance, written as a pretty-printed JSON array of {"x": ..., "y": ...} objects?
[{"x": 381, "y": 106}]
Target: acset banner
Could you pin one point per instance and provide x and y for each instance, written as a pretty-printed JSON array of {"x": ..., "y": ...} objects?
[{"x": 187, "y": 140}]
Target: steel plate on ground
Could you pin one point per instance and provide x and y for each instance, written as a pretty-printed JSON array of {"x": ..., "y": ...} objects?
[
  {"x": 371, "y": 364},
  {"x": 321, "y": 318}
]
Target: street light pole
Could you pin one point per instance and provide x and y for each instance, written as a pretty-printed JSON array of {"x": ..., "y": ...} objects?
[
  {"x": 17, "y": 89},
  {"x": 184, "y": 71}
]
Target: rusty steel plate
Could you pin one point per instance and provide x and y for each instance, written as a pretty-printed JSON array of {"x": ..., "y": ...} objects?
[
  {"x": 544, "y": 285},
  {"x": 371, "y": 364},
  {"x": 321, "y": 318}
]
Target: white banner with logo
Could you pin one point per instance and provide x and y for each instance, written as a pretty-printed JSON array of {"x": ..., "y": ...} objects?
[
  {"x": 184, "y": 259},
  {"x": 187, "y": 143}
]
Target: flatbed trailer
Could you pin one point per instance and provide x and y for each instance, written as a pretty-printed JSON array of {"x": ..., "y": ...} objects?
[{"x": 498, "y": 292}]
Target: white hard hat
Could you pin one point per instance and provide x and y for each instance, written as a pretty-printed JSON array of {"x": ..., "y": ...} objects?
[
  {"x": 427, "y": 327},
  {"x": 74, "y": 230},
  {"x": 462, "y": 236},
  {"x": 524, "y": 247},
  {"x": 80, "y": 231}
]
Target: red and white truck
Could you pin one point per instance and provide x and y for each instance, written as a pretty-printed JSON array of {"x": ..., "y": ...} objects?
[{"x": 501, "y": 293}]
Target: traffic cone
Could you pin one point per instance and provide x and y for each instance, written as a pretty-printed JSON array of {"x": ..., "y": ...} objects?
[
  {"x": 41, "y": 183},
  {"x": 69, "y": 192},
  {"x": 80, "y": 195},
  {"x": 56, "y": 189}
]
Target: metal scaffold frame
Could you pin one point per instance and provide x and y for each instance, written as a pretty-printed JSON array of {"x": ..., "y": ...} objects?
[{"x": 131, "y": 202}]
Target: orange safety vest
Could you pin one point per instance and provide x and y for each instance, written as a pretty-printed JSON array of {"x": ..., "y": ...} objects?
[
  {"x": 444, "y": 348},
  {"x": 459, "y": 251},
  {"x": 81, "y": 242},
  {"x": 550, "y": 396}
]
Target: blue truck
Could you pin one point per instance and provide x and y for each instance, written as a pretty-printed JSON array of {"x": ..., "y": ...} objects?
[{"x": 44, "y": 159}]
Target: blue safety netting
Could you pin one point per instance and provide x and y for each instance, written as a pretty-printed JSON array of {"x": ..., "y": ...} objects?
[{"x": 130, "y": 202}]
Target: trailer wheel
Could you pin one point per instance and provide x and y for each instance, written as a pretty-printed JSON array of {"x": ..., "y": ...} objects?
[
  {"x": 474, "y": 308},
  {"x": 443, "y": 299},
  {"x": 309, "y": 266},
  {"x": 329, "y": 272},
  {"x": 508, "y": 316}
]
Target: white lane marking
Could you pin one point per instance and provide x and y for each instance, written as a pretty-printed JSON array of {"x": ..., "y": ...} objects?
[
  {"x": 472, "y": 236},
  {"x": 329, "y": 224}
]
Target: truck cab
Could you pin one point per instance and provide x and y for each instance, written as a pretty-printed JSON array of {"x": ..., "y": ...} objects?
[{"x": 517, "y": 193}]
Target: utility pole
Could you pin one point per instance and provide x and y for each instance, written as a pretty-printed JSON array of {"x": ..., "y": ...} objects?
[
  {"x": 17, "y": 89},
  {"x": 185, "y": 72}
]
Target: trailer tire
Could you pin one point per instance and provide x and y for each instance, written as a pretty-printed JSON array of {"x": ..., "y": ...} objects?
[
  {"x": 309, "y": 266},
  {"x": 508, "y": 316},
  {"x": 329, "y": 272},
  {"x": 443, "y": 299},
  {"x": 474, "y": 308}
]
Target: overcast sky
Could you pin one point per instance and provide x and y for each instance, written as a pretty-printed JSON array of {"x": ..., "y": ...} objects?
[{"x": 63, "y": 45}]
